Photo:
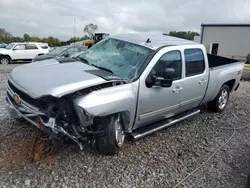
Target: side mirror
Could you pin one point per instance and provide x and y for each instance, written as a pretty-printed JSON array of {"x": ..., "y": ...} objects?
[
  {"x": 66, "y": 55},
  {"x": 165, "y": 80},
  {"x": 168, "y": 77},
  {"x": 14, "y": 49}
]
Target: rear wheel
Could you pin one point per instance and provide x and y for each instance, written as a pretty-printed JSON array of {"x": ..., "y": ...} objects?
[
  {"x": 221, "y": 100},
  {"x": 4, "y": 60},
  {"x": 112, "y": 135}
]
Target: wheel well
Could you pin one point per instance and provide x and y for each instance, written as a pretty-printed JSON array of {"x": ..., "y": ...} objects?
[
  {"x": 230, "y": 84},
  {"x": 125, "y": 118},
  {"x": 5, "y": 56}
]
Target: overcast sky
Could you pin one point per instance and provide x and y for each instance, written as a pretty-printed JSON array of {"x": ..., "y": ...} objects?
[{"x": 55, "y": 17}]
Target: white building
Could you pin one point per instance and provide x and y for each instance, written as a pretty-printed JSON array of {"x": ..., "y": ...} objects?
[{"x": 231, "y": 40}]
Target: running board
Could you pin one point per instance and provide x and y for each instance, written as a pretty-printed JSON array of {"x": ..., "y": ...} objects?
[{"x": 145, "y": 131}]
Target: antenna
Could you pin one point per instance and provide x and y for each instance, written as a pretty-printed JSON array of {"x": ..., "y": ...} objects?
[{"x": 148, "y": 41}]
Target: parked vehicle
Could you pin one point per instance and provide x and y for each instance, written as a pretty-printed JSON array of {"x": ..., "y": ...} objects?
[
  {"x": 248, "y": 59},
  {"x": 61, "y": 52},
  {"x": 22, "y": 52},
  {"x": 127, "y": 84},
  {"x": 3, "y": 45},
  {"x": 97, "y": 38}
]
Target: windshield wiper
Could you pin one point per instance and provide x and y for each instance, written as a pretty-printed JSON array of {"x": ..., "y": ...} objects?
[
  {"x": 102, "y": 68},
  {"x": 82, "y": 60}
]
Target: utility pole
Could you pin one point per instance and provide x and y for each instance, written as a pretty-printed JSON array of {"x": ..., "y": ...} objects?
[{"x": 74, "y": 31}]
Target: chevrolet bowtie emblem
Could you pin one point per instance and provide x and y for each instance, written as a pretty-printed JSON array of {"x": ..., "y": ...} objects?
[{"x": 17, "y": 99}]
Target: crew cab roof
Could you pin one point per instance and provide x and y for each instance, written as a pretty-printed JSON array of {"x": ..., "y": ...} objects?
[{"x": 155, "y": 40}]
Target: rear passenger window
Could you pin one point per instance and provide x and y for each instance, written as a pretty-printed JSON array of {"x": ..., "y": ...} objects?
[
  {"x": 31, "y": 47},
  {"x": 194, "y": 61},
  {"x": 44, "y": 46}
]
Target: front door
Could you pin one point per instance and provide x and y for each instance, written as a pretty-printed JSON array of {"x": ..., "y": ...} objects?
[
  {"x": 18, "y": 52},
  {"x": 157, "y": 102}
]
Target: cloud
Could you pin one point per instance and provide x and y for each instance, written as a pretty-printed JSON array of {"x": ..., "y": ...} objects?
[{"x": 55, "y": 17}]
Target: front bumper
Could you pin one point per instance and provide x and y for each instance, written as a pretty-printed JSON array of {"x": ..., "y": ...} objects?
[
  {"x": 16, "y": 114},
  {"x": 22, "y": 110},
  {"x": 33, "y": 116}
]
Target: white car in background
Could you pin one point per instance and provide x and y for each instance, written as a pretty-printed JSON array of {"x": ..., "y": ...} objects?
[{"x": 22, "y": 52}]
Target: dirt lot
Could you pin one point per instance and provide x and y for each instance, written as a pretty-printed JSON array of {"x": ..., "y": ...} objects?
[{"x": 161, "y": 160}]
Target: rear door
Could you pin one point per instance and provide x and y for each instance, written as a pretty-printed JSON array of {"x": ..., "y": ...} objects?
[
  {"x": 31, "y": 51},
  {"x": 196, "y": 77}
]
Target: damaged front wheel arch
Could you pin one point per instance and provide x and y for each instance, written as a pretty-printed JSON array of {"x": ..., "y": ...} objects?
[{"x": 112, "y": 135}]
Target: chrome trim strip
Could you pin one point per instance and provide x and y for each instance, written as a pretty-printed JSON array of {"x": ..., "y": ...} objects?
[
  {"x": 24, "y": 104},
  {"x": 191, "y": 100},
  {"x": 156, "y": 112},
  {"x": 23, "y": 116}
]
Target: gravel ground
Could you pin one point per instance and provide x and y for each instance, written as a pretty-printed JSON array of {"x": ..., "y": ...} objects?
[{"x": 160, "y": 160}]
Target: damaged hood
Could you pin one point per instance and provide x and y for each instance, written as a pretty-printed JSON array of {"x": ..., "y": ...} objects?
[{"x": 50, "y": 77}]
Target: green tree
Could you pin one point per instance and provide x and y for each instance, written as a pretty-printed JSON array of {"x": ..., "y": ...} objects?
[
  {"x": 189, "y": 35},
  {"x": 90, "y": 29},
  {"x": 5, "y": 36},
  {"x": 26, "y": 37},
  {"x": 35, "y": 39}
]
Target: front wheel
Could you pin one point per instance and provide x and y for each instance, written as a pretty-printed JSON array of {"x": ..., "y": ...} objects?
[
  {"x": 4, "y": 60},
  {"x": 221, "y": 100},
  {"x": 111, "y": 137}
]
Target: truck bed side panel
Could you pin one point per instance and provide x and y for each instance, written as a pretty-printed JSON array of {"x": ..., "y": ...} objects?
[{"x": 220, "y": 75}]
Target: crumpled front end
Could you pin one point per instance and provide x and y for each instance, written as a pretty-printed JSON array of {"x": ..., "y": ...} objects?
[
  {"x": 44, "y": 113},
  {"x": 56, "y": 116}
]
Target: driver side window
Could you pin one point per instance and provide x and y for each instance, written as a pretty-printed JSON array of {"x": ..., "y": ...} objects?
[
  {"x": 170, "y": 59},
  {"x": 19, "y": 47}
]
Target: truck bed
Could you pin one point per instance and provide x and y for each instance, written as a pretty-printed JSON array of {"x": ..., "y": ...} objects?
[
  {"x": 215, "y": 61},
  {"x": 221, "y": 70}
]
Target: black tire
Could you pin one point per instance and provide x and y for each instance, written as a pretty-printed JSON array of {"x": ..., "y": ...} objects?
[
  {"x": 106, "y": 140},
  {"x": 215, "y": 105},
  {"x": 5, "y": 60}
]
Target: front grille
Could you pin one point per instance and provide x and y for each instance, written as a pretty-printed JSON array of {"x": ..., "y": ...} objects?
[{"x": 41, "y": 104}]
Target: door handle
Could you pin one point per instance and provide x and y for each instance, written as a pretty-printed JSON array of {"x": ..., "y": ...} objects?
[
  {"x": 177, "y": 89},
  {"x": 203, "y": 81}
]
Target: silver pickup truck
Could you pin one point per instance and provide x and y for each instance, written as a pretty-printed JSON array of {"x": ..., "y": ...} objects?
[{"x": 132, "y": 84}]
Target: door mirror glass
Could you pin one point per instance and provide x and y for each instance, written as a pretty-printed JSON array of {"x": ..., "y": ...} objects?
[
  {"x": 168, "y": 79},
  {"x": 165, "y": 80}
]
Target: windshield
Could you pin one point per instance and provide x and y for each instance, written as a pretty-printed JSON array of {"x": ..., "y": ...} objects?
[
  {"x": 9, "y": 46},
  {"x": 124, "y": 59},
  {"x": 57, "y": 51}
]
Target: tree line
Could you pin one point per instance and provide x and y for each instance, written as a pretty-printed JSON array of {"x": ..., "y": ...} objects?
[
  {"x": 89, "y": 30},
  {"x": 189, "y": 35},
  {"x": 6, "y": 37}
]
